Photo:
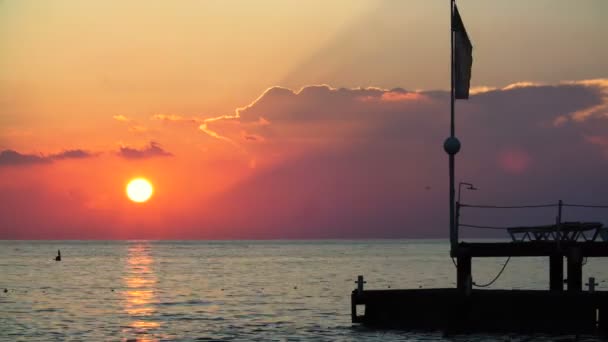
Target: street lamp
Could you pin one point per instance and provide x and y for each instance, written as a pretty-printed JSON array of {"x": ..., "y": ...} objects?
[
  {"x": 457, "y": 214},
  {"x": 469, "y": 187}
]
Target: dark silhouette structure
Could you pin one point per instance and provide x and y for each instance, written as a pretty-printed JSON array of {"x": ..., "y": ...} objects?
[
  {"x": 464, "y": 309},
  {"x": 58, "y": 257}
]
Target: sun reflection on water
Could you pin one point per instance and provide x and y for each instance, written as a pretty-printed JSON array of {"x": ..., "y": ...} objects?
[{"x": 139, "y": 296}]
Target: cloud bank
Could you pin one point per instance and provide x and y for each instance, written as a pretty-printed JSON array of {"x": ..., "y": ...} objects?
[
  {"x": 350, "y": 163},
  {"x": 14, "y": 158},
  {"x": 150, "y": 151},
  {"x": 369, "y": 162}
]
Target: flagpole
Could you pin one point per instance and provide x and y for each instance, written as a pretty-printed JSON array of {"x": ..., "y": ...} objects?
[
  {"x": 450, "y": 149},
  {"x": 452, "y": 69},
  {"x": 460, "y": 74}
]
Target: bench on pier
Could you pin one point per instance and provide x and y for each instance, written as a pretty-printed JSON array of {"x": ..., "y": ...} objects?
[{"x": 567, "y": 231}]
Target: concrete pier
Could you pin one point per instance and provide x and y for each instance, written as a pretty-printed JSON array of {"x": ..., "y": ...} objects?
[
  {"x": 556, "y": 272},
  {"x": 573, "y": 251},
  {"x": 516, "y": 311},
  {"x": 463, "y": 309}
]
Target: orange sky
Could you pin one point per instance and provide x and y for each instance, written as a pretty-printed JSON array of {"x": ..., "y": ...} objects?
[{"x": 215, "y": 103}]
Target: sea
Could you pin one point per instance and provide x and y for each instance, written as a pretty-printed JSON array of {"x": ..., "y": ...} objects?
[{"x": 231, "y": 290}]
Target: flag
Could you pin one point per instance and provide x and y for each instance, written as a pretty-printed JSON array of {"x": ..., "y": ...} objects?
[{"x": 463, "y": 57}]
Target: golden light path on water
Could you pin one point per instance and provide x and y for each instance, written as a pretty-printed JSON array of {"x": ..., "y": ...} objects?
[{"x": 139, "y": 295}]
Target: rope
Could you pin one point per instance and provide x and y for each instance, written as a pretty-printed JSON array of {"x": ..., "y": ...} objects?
[
  {"x": 586, "y": 206},
  {"x": 481, "y": 227},
  {"x": 508, "y": 207},
  {"x": 497, "y": 276}
]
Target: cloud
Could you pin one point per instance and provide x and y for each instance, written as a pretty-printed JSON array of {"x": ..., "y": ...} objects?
[
  {"x": 601, "y": 109},
  {"x": 252, "y": 137},
  {"x": 72, "y": 154},
  {"x": 523, "y": 84},
  {"x": 397, "y": 96},
  {"x": 10, "y": 157},
  {"x": 481, "y": 89},
  {"x": 359, "y": 162},
  {"x": 121, "y": 118},
  {"x": 203, "y": 127},
  {"x": 150, "y": 151},
  {"x": 133, "y": 125},
  {"x": 203, "y": 124},
  {"x": 600, "y": 141},
  {"x": 279, "y": 111},
  {"x": 324, "y": 162},
  {"x": 14, "y": 158},
  {"x": 175, "y": 118},
  {"x": 138, "y": 129}
]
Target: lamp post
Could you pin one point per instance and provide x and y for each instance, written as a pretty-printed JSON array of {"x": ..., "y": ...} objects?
[
  {"x": 469, "y": 187},
  {"x": 457, "y": 218}
]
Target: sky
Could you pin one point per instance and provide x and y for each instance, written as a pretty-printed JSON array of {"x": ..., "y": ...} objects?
[{"x": 277, "y": 120}]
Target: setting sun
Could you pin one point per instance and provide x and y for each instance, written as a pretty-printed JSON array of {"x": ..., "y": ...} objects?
[{"x": 139, "y": 190}]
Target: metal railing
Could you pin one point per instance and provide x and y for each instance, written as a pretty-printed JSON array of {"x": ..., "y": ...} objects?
[{"x": 559, "y": 231}]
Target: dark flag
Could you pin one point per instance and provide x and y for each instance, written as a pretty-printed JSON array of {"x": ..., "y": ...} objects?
[{"x": 463, "y": 57}]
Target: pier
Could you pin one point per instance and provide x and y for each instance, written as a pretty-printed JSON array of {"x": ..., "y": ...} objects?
[
  {"x": 464, "y": 309},
  {"x": 501, "y": 311}
]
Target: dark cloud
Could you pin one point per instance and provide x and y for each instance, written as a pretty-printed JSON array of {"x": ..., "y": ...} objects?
[
  {"x": 14, "y": 158},
  {"x": 368, "y": 163},
  {"x": 253, "y": 138},
  {"x": 72, "y": 154},
  {"x": 150, "y": 151},
  {"x": 10, "y": 157},
  {"x": 381, "y": 148}
]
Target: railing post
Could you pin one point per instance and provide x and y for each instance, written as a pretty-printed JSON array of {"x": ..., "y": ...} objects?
[
  {"x": 592, "y": 284},
  {"x": 556, "y": 272},
  {"x": 457, "y": 224},
  {"x": 360, "y": 283},
  {"x": 575, "y": 269},
  {"x": 559, "y": 222},
  {"x": 463, "y": 274},
  {"x": 559, "y": 212}
]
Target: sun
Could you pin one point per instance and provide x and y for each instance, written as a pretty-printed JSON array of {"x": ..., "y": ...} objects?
[{"x": 139, "y": 190}]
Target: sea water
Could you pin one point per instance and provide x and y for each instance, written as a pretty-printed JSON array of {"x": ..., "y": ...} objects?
[{"x": 229, "y": 290}]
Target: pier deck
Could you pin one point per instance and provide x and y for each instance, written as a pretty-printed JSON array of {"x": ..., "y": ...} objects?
[
  {"x": 463, "y": 309},
  {"x": 531, "y": 248},
  {"x": 523, "y": 311}
]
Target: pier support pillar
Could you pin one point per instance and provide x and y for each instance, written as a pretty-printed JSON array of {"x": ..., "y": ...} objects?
[
  {"x": 575, "y": 269},
  {"x": 556, "y": 272},
  {"x": 463, "y": 274}
]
